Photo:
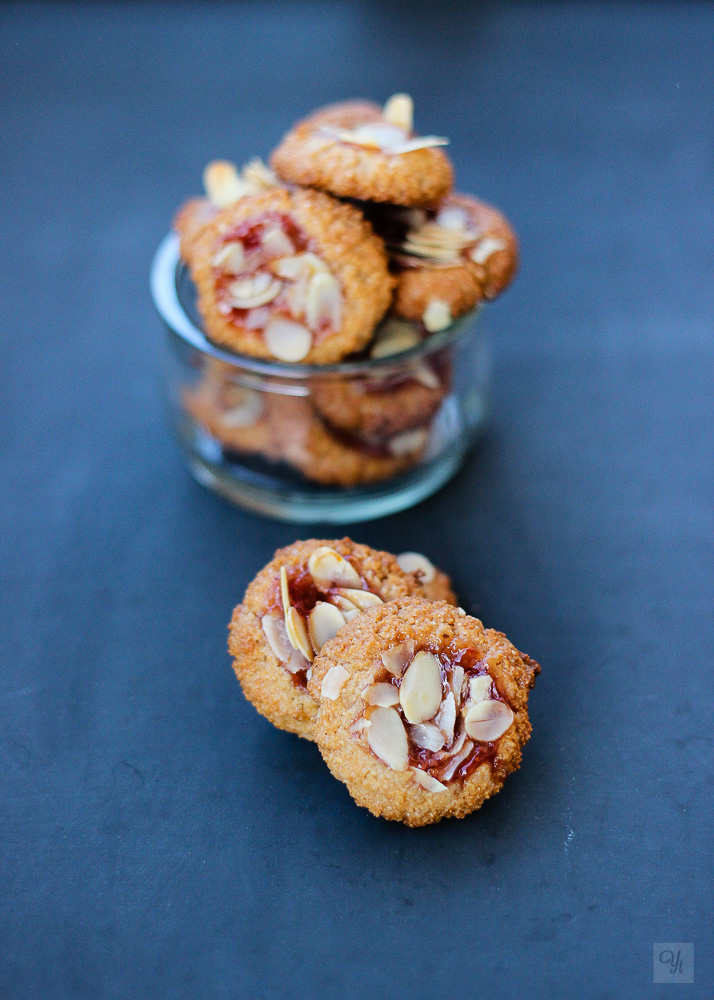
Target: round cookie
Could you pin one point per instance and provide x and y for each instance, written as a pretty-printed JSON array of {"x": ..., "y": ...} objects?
[
  {"x": 235, "y": 415},
  {"x": 423, "y": 712},
  {"x": 303, "y": 596},
  {"x": 292, "y": 275},
  {"x": 335, "y": 458},
  {"x": 407, "y": 395},
  {"x": 356, "y": 149},
  {"x": 449, "y": 260}
]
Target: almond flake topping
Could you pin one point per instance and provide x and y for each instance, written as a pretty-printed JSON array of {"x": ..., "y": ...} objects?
[
  {"x": 382, "y": 693},
  {"x": 488, "y": 720},
  {"x": 418, "y": 564},
  {"x": 287, "y": 340},
  {"x": 387, "y": 738},
  {"x": 333, "y": 682},
  {"x": 437, "y": 316},
  {"x": 399, "y": 111},
  {"x": 485, "y": 248},
  {"x": 328, "y": 569},
  {"x": 397, "y": 658},
  {"x": 361, "y": 599},
  {"x": 324, "y": 622},
  {"x": 427, "y": 782},
  {"x": 420, "y": 691}
]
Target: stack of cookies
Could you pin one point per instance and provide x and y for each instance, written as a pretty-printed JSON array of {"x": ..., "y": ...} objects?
[
  {"x": 353, "y": 246},
  {"x": 416, "y": 707}
]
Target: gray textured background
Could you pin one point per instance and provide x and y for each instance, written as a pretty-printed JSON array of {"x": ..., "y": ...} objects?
[{"x": 158, "y": 837}]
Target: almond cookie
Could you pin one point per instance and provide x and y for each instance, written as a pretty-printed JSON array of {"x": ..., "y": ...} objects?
[
  {"x": 449, "y": 260},
  {"x": 423, "y": 712},
  {"x": 401, "y": 398},
  {"x": 356, "y": 149},
  {"x": 291, "y": 275},
  {"x": 301, "y": 599},
  {"x": 332, "y": 457}
]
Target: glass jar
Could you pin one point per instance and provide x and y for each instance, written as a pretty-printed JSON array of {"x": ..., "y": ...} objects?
[{"x": 320, "y": 443}]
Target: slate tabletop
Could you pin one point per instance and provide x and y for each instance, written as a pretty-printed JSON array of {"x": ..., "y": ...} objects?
[{"x": 159, "y": 838}]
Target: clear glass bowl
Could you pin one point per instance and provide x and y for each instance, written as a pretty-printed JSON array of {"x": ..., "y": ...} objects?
[{"x": 319, "y": 443}]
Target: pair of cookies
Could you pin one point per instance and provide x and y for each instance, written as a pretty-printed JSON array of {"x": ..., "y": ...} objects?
[
  {"x": 413, "y": 704},
  {"x": 293, "y": 430},
  {"x": 287, "y": 265}
]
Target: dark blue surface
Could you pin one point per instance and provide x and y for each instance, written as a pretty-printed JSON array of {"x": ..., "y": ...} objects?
[{"x": 158, "y": 837}]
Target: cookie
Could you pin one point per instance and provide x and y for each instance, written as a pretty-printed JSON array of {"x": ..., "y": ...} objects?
[
  {"x": 300, "y": 599},
  {"x": 291, "y": 275},
  {"x": 448, "y": 260},
  {"x": 331, "y": 457},
  {"x": 356, "y": 149},
  {"x": 391, "y": 399},
  {"x": 422, "y": 712}
]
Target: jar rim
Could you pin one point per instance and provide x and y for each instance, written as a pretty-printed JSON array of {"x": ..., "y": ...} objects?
[{"x": 165, "y": 269}]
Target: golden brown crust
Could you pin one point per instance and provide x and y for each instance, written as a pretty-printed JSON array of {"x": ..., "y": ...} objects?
[
  {"x": 342, "y": 239},
  {"x": 463, "y": 286},
  {"x": 357, "y": 648},
  {"x": 266, "y": 683},
  {"x": 363, "y": 406},
  {"x": 307, "y": 156}
]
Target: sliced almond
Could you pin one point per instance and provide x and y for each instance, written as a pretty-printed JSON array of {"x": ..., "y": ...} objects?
[
  {"x": 277, "y": 243},
  {"x": 298, "y": 662},
  {"x": 387, "y": 738},
  {"x": 258, "y": 176},
  {"x": 488, "y": 720},
  {"x": 480, "y": 253},
  {"x": 248, "y": 293},
  {"x": 419, "y": 565},
  {"x": 480, "y": 688},
  {"x": 427, "y": 782},
  {"x": 393, "y": 337},
  {"x": 437, "y": 316},
  {"x": 350, "y": 613},
  {"x": 230, "y": 258},
  {"x": 457, "y": 761},
  {"x": 427, "y": 736},
  {"x": 287, "y": 340},
  {"x": 345, "y": 605},
  {"x": 446, "y": 717},
  {"x": 399, "y": 111},
  {"x": 333, "y": 682},
  {"x": 277, "y": 636},
  {"x": 298, "y": 634},
  {"x": 426, "y": 376},
  {"x": 407, "y": 442},
  {"x": 435, "y": 234},
  {"x": 361, "y": 599},
  {"x": 398, "y": 657},
  {"x": 359, "y": 726},
  {"x": 420, "y": 691},
  {"x": 419, "y": 142},
  {"x": 452, "y": 217},
  {"x": 247, "y": 410},
  {"x": 329, "y": 569},
  {"x": 284, "y": 589},
  {"x": 223, "y": 184},
  {"x": 323, "y": 302},
  {"x": 302, "y": 265},
  {"x": 373, "y": 135},
  {"x": 324, "y": 622},
  {"x": 457, "y": 682},
  {"x": 382, "y": 694}
]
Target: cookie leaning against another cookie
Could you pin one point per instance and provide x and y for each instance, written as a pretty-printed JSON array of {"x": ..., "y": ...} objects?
[
  {"x": 356, "y": 149},
  {"x": 300, "y": 599},
  {"x": 423, "y": 712}
]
